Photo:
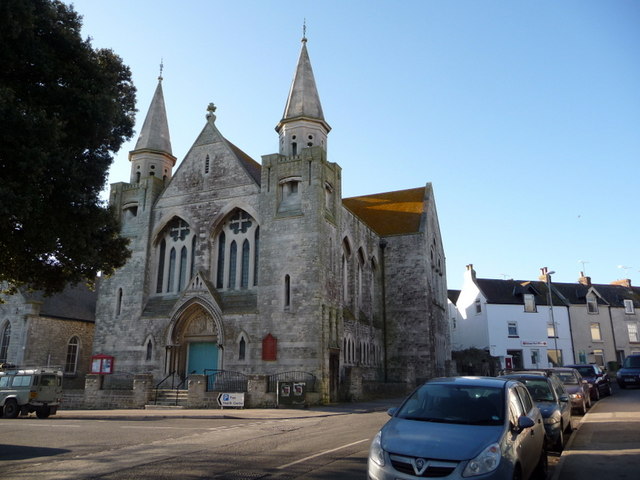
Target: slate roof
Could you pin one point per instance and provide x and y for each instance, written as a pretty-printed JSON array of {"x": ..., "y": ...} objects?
[
  {"x": 154, "y": 134},
  {"x": 252, "y": 167},
  {"x": 510, "y": 292},
  {"x": 453, "y": 296},
  {"x": 391, "y": 213},
  {"x": 73, "y": 303}
]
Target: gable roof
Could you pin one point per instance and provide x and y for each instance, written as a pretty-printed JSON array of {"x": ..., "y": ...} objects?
[
  {"x": 252, "y": 167},
  {"x": 510, "y": 292},
  {"x": 391, "y": 213}
]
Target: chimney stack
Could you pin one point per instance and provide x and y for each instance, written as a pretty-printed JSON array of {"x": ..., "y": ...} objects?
[
  {"x": 625, "y": 282},
  {"x": 584, "y": 280}
]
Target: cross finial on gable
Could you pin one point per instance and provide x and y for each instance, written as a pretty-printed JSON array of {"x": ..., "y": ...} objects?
[
  {"x": 210, "y": 109},
  {"x": 161, "y": 69}
]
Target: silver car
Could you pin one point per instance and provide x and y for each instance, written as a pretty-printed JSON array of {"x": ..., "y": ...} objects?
[{"x": 462, "y": 427}]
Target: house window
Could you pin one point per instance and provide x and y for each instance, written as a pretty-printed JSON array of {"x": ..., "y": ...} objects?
[
  {"x": 236, "y": 247},
  {"x": 555, "y": 357},
  {"x": 72, "y": 356},
  {"x": 119, "y": 302},
  {"x": 149, "y": 350},
  {"x": 633, "y": 332},
  {"x": 478, "y": 306},
  {"x": 535, "y": 357},
  {"x": 598, "y": 356},
  {"x": 595, "y": 332},
  {"x": 529, "y": 302},
  {"x": 206, "y": 164},
  {"x": 551, "y": 330},
  {"x": 512, "y": 327},
  {"x": 592, "y": 304},
  {"x": 628, "y": 307},
  {"x": 4, "y": 342}
]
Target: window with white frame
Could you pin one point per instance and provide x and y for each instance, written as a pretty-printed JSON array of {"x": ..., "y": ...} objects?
[
  {"x": 592, "y": 303},
  {"x": 71, "y": 362},
  {"x": 236, "y": 252},
  {"x": 632, "y": 328},
  {"x": 529, "y": 302},
  {"x": 551, "y": 330},
  {"x": 628, "y": 307},
  {"x": 512, "y": 328},
  {"x": 595, "y": 332},
  {"x": 478, "y": 306}
]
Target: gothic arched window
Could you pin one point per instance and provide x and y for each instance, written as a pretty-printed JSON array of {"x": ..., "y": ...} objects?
[
  {"x": 236, "y": 244},
  {"x": 4, "y": 342},
  {"x": 71, "y": 363},
  {"x": 176, "y": 256}
]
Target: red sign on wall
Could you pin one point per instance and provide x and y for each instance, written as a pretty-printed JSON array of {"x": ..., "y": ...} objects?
[
  {"x": 102, "y": 364},
  {"x": 269, "y": 348}
]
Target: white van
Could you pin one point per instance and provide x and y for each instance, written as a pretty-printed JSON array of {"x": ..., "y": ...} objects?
[{"x": 30, "y": 389}]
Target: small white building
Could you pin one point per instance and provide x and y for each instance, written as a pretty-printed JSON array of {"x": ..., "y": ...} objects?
[{"x": 513, "y": 321}]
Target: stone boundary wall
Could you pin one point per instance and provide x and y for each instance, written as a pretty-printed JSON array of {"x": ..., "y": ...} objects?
[{"x": 94, "y": 397}]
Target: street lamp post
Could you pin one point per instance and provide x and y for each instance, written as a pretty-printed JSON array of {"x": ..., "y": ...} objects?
[{"x": 547, "y": 276}]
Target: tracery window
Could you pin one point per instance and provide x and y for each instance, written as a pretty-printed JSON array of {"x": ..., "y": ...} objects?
[
  {"x": 236, "y": 247},
  {"x": 176, "y": 257}
]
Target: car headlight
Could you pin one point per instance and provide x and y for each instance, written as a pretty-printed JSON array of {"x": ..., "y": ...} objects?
[
  {"x": 486, "y": 462},
  {"x": 576, "y": 395},
  {"x": 376, "y": 453},
  {"x": 552, "y": 420}
]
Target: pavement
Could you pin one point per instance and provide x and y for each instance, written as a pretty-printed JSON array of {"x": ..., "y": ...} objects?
[
  {"x": 381, "y": 405},
  {"x": 606, "y": 443}
]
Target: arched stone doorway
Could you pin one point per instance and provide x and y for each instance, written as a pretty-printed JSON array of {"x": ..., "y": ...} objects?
[{"x": 195, "y": 340}]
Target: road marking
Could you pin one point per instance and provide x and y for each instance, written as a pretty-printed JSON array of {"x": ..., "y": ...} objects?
[
  {"x": 50, "y": 425},
  {"x": 321, "y": 453}
]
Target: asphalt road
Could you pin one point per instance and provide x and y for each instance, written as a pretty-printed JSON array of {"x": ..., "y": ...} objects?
[{"x": 319, "y": 447}]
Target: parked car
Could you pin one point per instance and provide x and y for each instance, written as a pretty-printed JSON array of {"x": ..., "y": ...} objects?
[
  {"x": 577, "y": 387},
  {"x": 552, "y": 399},
  {"x": 462, "y": 427},
  {"x": 27, "y": 390},
  {"x": 629, "y": 373},
  {"x": 598, "y": 379}
]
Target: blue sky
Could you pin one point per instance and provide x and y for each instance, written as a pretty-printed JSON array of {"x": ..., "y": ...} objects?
[{"x": 525, "y": 116}]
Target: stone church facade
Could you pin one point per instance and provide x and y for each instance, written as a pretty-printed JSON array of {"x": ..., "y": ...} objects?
[{"x": 265, "y": 268}]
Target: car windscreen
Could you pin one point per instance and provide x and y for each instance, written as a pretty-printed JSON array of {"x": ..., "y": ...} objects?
[{"x": 449, "y": 403}]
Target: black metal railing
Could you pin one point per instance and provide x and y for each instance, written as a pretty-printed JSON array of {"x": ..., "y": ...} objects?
[
  {"x": 294, "y": 376},
  {"x": 225, "y": 381}
]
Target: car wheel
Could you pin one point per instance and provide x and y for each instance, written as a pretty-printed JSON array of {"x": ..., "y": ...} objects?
[
  {"x": 583, "y": 408},
  {"x": 517, "y": 474},
  {"x": 43, "y": 412},
  {"x": 542, "y": 468},
  {"x": 559, "y": 445},
  {"x": 11, "y": 409},
  {"x": 609, "y": 392},
  {"x": 596, "y": 396},
  {"x": 589, "y": 401}
]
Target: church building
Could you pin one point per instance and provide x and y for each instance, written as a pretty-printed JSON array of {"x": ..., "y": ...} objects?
[{"x": 263, "y": 268}]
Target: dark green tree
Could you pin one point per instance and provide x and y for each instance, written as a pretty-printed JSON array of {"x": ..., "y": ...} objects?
[{"x": 65, "y": 108}]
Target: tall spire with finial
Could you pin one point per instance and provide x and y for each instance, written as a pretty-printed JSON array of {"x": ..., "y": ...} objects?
[{"x": 303, "y": 107}]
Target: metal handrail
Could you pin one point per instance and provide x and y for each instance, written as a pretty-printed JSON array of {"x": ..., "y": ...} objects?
[{"x": 157, "y": 387}]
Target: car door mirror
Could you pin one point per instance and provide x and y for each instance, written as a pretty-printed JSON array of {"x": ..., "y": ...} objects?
[
  {"x": 523, "y": 423},
  {"x": 392, "y": 411},
  {"x": 564, "y": 398}
]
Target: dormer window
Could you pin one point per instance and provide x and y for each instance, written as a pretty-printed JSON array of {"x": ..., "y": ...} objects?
[
  {"x": 592, "y": 303},
  {"x": 529, "y": 303},
  {"x": 628, "y": 307}
]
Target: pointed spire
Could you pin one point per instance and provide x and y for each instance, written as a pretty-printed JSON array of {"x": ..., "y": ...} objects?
[
  {"x": 303, "y": 100},
  {"x": 155, "y": 129}
]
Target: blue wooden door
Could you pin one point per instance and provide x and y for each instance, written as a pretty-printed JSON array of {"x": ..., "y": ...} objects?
[{"x": 202, "y": 355}]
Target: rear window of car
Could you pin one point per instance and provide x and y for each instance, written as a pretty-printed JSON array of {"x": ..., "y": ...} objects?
[{"x": 567, "y": 378}]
